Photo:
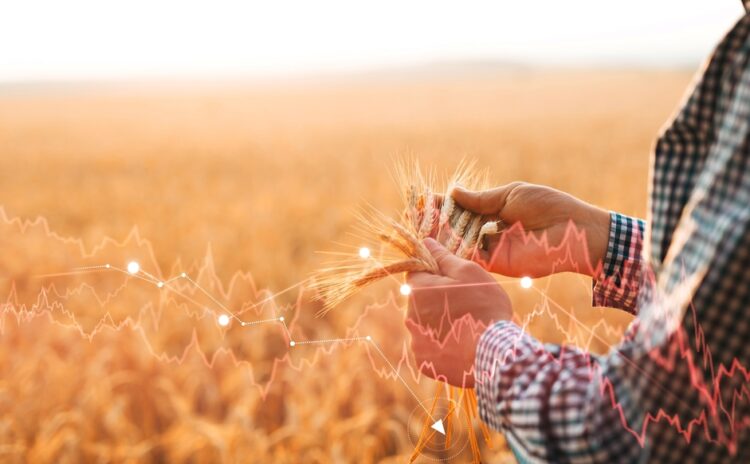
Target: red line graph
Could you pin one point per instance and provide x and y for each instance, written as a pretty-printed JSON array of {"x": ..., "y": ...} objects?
[{"x": 195, "y": 296}]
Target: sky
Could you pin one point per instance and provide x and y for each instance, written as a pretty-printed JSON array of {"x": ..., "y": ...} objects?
[{"x": 81, "y": 39}]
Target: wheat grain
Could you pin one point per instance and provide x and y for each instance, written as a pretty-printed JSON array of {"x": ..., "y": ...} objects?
[
  {"x": 448, "y": 205},
  {"x": 458, "y": 227},
  {"x": 428, "y": 216},
  {"x": 471, "y": 237}
]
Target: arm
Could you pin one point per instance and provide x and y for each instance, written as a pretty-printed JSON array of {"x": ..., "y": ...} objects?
[
  {"x": 677, "y": 376},
  {"x": 546, "y": 231},
  {"x": 537, "y": 395},
  {"x": 673, "y": 386},
  {"x": 550, "y": 231}
]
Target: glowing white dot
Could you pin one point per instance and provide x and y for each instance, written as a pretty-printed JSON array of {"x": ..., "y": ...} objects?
[
  {"x": 107, "y": 266},
  {"x": 134, "y": 267},
  {"x": 364, "y": 252},
  {"x": 160, "y": 284},
  {"x": 183, "y": 275},
  {"x": 368, "y": 337},
  {"x": 292, "y": 343},
  {"x": 223, "y": 320},
  {"x": 281, "y": 318},
  {"x": 526, "y": 282},
  {"x": 405, "y": 289}
]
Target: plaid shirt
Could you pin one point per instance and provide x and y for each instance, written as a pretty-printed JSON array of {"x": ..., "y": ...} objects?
[{"x": 676, "y": 389}]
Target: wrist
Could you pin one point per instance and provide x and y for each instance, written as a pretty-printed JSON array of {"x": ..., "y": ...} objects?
[{"x": 595, "y": 222}]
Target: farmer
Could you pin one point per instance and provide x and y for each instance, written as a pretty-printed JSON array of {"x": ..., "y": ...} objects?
[{"x": 677, "y": 388}]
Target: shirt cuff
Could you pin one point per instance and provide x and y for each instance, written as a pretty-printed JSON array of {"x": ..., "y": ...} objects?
[
  {"x": 617, "y": 284},
  {"x": 496, "y": 345}
]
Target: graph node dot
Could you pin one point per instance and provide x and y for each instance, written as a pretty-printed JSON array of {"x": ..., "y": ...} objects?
[
  {"x": 405, "y": 289},
  {"x": 134, "y": 267}
]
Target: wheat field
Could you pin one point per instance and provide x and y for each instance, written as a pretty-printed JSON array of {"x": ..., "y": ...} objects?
[{"x": 241, "y": 184}]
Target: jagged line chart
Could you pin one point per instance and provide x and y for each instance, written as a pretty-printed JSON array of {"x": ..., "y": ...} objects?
[{"x": 50, "y": 299}]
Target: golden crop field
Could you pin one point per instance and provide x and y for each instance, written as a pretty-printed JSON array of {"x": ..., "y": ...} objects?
[{"x": 240, "y": 184}]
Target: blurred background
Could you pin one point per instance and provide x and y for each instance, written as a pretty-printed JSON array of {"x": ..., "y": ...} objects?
[{"x": 235, "y": 140}]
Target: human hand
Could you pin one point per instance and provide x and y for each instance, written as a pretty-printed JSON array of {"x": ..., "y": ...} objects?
[
  {"x": 540, "y": 240},
  {"x": 444, "y": 311}
]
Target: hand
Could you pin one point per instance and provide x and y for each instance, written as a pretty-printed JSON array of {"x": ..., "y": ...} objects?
[
  {"x": 448, "y": 313},
  {"x": 539, "y": 241}
]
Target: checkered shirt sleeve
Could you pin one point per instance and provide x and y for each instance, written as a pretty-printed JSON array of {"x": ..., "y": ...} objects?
[
  {"x": 617, "y": 284},
  {"x": 534, "y": 393}
]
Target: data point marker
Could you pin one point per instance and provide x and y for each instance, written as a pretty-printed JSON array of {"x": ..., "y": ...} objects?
[
  {"x": 223, "y": 320},
  {"x": 160, "y": 284},
  {"x": 292, "y": 343},
  {"x": 405, "y": 289},
  {"x": 526, "y": 282},
  {"x": 364, "y": 252},
  {"x": 134, "y": 267},
  {"x": 281, "y": 319},
  {"x": 368, "y": 337}
]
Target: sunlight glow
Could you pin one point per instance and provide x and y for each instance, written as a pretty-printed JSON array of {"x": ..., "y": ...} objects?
[{"x": 92, "y": 39}]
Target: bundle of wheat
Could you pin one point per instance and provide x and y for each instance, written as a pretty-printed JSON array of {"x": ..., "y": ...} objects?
[{"x": 426, "y": 214}]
